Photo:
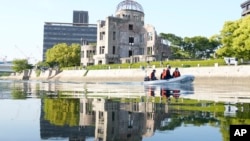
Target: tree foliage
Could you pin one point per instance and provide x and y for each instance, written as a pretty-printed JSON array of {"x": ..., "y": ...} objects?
[
  {"x": 197, "y": 47},
  {"x": 200, "y": 47},
  {"x": 42, "y": 65},
  {"x": 64, "y": 55},
  {"x": 175, "y": 40},
  {"x": 235, "y": 38},
  {"x": 20, "y": 65},
  {"x": 62, "y": 112},
  {"x": 176, "y": 43}
]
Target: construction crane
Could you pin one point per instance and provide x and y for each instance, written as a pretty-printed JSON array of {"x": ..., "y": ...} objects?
[
  {"x": 3, "y": 58},
  {"x": 22, "y": 52},
  {"x": 29, "y": 58}
]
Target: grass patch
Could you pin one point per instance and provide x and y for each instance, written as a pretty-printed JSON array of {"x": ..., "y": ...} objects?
[{"x": 155, "y": 64}]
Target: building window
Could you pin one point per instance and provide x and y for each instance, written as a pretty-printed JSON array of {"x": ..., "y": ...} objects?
[
  {"x": 114, "y": 35},
  {"x": 130, "y": 27},
  {"x": 87, "y": 54},
  {"x": 150, "y": 36},
  {"x": 141, "y": 38},
  {"x": 113, "y": 49},
  {"x": 90, "y": 54},
  {"x": 102, "y": 48},
  {"x": 131, "y": 40},
  {"x": 149, "y": 50},
  {"x": 141, "y": 50},
  {"x": 82, "y": 54},
  {"x": 113, "y": 116},
  {"x": 101, "y": 115},
  {"x": 102, "y": 35}
]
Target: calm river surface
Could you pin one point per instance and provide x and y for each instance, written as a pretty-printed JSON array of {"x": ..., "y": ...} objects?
[{"x": 108, "y": 111}]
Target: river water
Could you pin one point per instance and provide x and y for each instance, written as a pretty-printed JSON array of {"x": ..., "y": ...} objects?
[{"x": 106, "y": 111}]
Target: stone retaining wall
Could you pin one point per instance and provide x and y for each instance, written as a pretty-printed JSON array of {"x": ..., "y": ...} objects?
[{"x": 134, "y": 74}]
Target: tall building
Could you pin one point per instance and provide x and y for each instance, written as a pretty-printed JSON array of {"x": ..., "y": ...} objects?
[
  {"x": 56, "y": 32},
  {"x": 125, "y": 38},
  {"x": 80, "y": 17},
  {"x": 245, "y": 8}
]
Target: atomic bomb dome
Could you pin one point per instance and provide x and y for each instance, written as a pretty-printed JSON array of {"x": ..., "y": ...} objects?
[
  {"x": 129, "y": 5},
  {"x": 124, "y": 38}
]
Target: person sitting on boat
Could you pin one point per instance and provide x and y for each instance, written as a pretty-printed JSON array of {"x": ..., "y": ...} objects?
[
  {"x": 176, "y": 73},
  {"x": 163, "y": 74},
  {"x": 152, "y": 75},
  {"x": 168, "y": 73}
]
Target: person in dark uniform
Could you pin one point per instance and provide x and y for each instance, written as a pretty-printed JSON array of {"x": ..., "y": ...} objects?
[{"x": 152, "y": 75}]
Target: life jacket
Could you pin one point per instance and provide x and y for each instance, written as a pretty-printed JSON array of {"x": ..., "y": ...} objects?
[
  {"x": 176, "y": 74},
  {"x": 166, "y": 74},
  {"x": 163, "y": 74}
]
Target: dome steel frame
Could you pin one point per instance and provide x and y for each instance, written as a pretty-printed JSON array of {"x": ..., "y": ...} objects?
[{"x": 129, "y": 5}]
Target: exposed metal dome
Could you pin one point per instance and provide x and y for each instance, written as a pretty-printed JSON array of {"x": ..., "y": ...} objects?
[{"x": 129, "y": 5}]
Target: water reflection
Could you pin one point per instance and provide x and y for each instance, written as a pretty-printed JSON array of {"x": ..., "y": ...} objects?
[
  {"x": 168, "y": 91},
  {"x": 117, "y": 111},
  {"x": 132, "y": 118}
]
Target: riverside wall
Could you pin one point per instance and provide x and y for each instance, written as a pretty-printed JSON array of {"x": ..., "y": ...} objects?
[{"x": 136, "y": 74}]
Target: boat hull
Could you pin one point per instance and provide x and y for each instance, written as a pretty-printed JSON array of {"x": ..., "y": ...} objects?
[{"x": 184, "y": 79}]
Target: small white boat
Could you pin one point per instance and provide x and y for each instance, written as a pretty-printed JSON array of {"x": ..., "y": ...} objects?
[{"x": 184, "y": 79}]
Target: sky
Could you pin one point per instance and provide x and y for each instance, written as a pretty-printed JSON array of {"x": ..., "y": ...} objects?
[{"x": 22, "y": 21}]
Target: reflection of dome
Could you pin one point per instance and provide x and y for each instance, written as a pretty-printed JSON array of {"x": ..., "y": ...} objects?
[{"x": 129, "y": 5}]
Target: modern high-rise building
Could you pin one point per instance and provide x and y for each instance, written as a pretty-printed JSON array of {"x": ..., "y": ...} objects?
[
  {"x": 80, "y": 17},
  {"x": 246, "y": 8},
  {"x": 56, "y": 32}
]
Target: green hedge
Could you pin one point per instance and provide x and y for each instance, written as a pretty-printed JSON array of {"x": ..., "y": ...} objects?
[{"x": 157, "y": 64}]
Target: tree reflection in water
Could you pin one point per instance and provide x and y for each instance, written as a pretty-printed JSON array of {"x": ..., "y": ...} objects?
[{"x": 132, "y": 118}]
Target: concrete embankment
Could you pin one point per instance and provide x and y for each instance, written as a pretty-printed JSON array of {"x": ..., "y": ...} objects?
[{"x": 139, "y": 74}]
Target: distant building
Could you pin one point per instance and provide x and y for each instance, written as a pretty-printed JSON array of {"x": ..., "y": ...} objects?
[
  {"x": 245, "y": 8},
  {"x": 6, "y": 66},
  {"x": 56, "y": 32},
  {"x": 87, "y": 53},
  {"x": 80, "y": 17},
  {"x": 124, "y": 38}
]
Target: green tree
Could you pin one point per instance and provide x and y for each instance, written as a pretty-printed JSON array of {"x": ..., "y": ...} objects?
[
  {"x": 64, "y": 55},
  {"x": 192, "y": 47},
  {"x": 178, "y": 53},
  {"x": 200, "y": 47},
  {"x": 20, "y": 65},
  {"x": 175, "y": 40},
  {"x": 42, "y": 64},
  {"x": 235, "y": 39},
  {"x": 176, "y": 46}
]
